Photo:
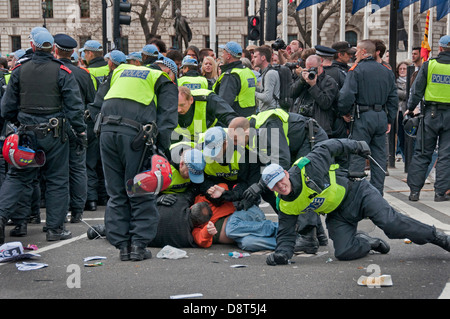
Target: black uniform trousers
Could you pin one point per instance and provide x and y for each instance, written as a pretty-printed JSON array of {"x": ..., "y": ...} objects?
[
  {"x": 434, "y": 128},
  {"x": 19, "y": 184},
  {"x": 127, "y": 220},
  {"x": 364, "y": 201},
  {"x": 371, "y": 127},
  {"x": 77, "y": 176}
]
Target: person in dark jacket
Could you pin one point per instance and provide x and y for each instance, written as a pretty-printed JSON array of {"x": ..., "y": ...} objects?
[
  {"x": 77, "y": 159},
  {"x": 39, "y": 91},
  {"x": 314, "y": 94},
  {"x": 373, "y": 105},
  {"x": 432, "y": 84}
]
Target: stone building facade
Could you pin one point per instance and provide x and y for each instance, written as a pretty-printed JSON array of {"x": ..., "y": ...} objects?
[{"x": 82, "y": 19}]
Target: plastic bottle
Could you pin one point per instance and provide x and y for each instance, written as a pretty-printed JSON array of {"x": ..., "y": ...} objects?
[{"x": 235, "y": 254}]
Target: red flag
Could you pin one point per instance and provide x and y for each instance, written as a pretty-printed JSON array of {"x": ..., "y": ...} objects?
[{"x": 425, "y": 47}]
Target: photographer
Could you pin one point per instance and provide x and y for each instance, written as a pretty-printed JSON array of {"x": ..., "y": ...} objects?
[
  {"x": 314, "y": 93},
  {"x": 269, "y": 89}
]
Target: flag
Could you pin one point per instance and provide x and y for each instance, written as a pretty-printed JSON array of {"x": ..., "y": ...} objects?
[
  {"x": 378, "y": 4},
  {"x": 358, "y": 5},
  {"x": 427, "y": 4},
  {"x": 442, "y": 10},
  {"x": 307, "y": 3},
  {"x": 405, "y": 3},
  {"x": 425, "y": 47}
]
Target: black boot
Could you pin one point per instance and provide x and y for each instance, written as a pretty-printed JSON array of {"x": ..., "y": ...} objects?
[
  {"x": 376, "y": 244},
  {"x": 139, "y": 253},
  {"x": 58, "y": 234},
  {"x": 322, "y": 236},
  {"x": 441, "y": 197},
  {"x": 124, "y": 254},
  {"x": 442, "y": 240},
  {"x": 76, "y": 217},
  {"x": 307, "y": 242},
  {"x": 91, "y": 205},
  {"x": 414, "y": 196},
  {"x": 19, "y": 231}
]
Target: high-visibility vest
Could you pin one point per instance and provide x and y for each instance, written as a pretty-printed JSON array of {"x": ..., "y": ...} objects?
[
  {"x": 438, "y": 82},
  {"x": 134, "y": 83},
  {"x": 198, "y": 124},
  {"x": 246, "y": 96},
  {"x": 309, "y": 200},
  {"x": 193, "y": 82}
]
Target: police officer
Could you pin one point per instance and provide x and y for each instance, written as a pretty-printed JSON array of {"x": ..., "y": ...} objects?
[
  {"x": 169, "y": 66},
  {"x": 65, "y": 46},
  {"x": 296, "y": 137},
  {"x": 199, "y": 110},
  {"x": 432, "y": 85},
  {"x": 370, "y": 95},
  {"x": 150, "y": 55},
  {"x": 97, "y": 66},
  {"x": 137, "y": 96},
  {"x": 42, "y": 95},
  {"x": 226, "y": 163},
  {"x": 236, "y": 83},
  {"x": 191, "y": 77},
  {"x": 314, "y": 184}
]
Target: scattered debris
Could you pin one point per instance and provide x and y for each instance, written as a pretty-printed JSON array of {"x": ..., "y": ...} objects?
[
  {"x": 93, "y": 258},
  {"x": 13, "y": 251},
  {"x": 24, "y": 266},
  {"x": 94, "y": 264},
  {"x": 170, "y": 252},
  {"x": 378, "y": 281}
]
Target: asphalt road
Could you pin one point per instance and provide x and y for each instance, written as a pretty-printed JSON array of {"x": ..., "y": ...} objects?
[{"x": 417, "y": 272}]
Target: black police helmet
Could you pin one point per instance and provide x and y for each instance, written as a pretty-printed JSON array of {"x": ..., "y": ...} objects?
[{"x": 410, "y": 125}]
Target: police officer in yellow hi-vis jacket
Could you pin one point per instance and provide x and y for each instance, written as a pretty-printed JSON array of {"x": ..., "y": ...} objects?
[
  {"x": 236, "y": 83},
  {"x": 433, "y": 85},
  {"x": 138, "y": 96},
  {"x": 199, "y": 110},
  {"x": 315, "y": 184}
]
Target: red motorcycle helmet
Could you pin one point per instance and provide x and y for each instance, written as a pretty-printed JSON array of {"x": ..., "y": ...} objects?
[
  {"x": 20, "y": 156},
  {"x": 152, "y": 181}
]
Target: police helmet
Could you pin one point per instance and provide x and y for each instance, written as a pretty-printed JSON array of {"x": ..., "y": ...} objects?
[
  {"x": 152, "y": 181},
  {"x": 21, "y": 156},
  {"x": 410, "y": 125}
]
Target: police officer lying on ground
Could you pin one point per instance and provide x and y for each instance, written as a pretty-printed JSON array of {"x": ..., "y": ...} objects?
[{"x": 314, "y": 184}]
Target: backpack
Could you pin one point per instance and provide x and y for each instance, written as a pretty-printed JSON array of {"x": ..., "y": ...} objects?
[{"x": 284, "y": 100}]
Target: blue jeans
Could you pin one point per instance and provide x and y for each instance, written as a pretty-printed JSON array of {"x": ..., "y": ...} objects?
[{"x": 251, "y": 230}]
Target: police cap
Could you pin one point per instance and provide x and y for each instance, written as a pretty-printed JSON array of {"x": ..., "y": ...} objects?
[
  {"x": 65, "y": 42},
  {"x": 324, "y": 51}
]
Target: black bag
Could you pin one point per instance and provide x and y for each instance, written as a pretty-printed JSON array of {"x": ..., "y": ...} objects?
[{"x": 284, "y": 100}]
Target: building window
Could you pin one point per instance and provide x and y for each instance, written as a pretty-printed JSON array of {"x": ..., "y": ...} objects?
[
  {"x": 14, "y": 5},
  {"x": 351, "y": 37},
  {"x": 16, "y": 43},
  {"x": 48, "y": 8},
  {"x": 207, "y": 8},
  {"x": 85, "y": 9},
  {"x": 208, "y": 44}
]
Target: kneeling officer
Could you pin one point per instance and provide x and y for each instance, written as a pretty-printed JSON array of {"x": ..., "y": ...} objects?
[{"x": 314, "y": 183}]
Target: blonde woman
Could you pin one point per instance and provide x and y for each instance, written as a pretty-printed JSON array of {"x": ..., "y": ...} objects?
[{"x": 209, "y": 70}]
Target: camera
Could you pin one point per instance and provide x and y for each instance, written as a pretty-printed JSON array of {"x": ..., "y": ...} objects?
[
  {"x": 279, "y": 44},
  {"x": 292, "y": 65},
  {"x": 312, "y": 73}
]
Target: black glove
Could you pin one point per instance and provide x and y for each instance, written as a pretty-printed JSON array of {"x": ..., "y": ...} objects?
[
  {"x": 277, "y": 259},
  {"x": 81, "y": 139},
  {"x": 252, "y": 193},
  {"x": 362, "y": 149},
  {"x": 229, "y": 196},
  {"x": 166, "y": 199},
  {"x": 243, "y": 204}
]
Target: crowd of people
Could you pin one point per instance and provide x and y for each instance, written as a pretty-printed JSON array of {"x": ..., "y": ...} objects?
[{"x": 182, "y": 148}]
